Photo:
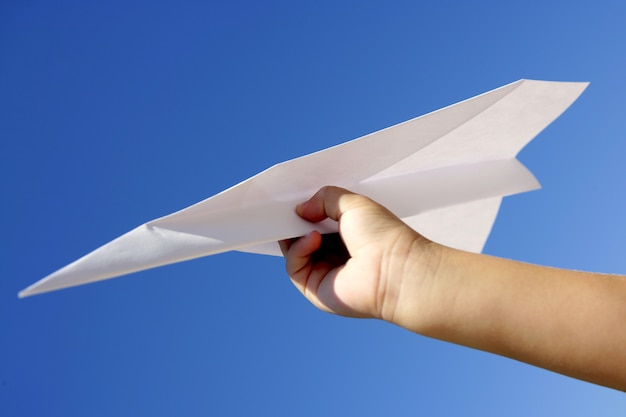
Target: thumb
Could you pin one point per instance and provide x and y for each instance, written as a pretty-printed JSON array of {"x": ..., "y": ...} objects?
[{"x": 330, "y": 202}]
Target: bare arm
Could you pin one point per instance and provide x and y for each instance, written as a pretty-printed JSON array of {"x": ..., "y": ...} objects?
[{"x": 569, "y": 322}]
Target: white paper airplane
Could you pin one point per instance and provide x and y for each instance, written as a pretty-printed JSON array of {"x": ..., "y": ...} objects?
[{"x": 443, "y": 173}]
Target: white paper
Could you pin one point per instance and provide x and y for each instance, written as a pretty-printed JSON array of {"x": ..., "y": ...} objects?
[{"x": 443, "y": 173}]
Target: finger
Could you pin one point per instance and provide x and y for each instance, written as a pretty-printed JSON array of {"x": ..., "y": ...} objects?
[
  {"x": 330, "y": 202},
  {"x": 285, "y": 244},
  {"x": 299, "y": 265},
  {"x": 298, "y": 253}
]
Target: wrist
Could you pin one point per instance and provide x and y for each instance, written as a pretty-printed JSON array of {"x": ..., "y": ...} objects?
[{"x": 414, "y": 293}]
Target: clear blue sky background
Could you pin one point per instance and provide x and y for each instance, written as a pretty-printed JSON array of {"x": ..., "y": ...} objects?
[{"x": 114, "y": 113}]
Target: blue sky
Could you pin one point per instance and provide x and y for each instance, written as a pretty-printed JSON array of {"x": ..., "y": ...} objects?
[{"x": 115, "y": 113}]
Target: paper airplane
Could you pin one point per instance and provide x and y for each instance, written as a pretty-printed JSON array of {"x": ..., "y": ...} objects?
[{"x": 443, "y": 173}]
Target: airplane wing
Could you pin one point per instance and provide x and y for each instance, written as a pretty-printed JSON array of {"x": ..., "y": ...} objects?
[{"x": 444, "y": 173}]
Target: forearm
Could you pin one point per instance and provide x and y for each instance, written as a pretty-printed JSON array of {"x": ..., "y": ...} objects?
[{"x": 569, "y": 322}]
